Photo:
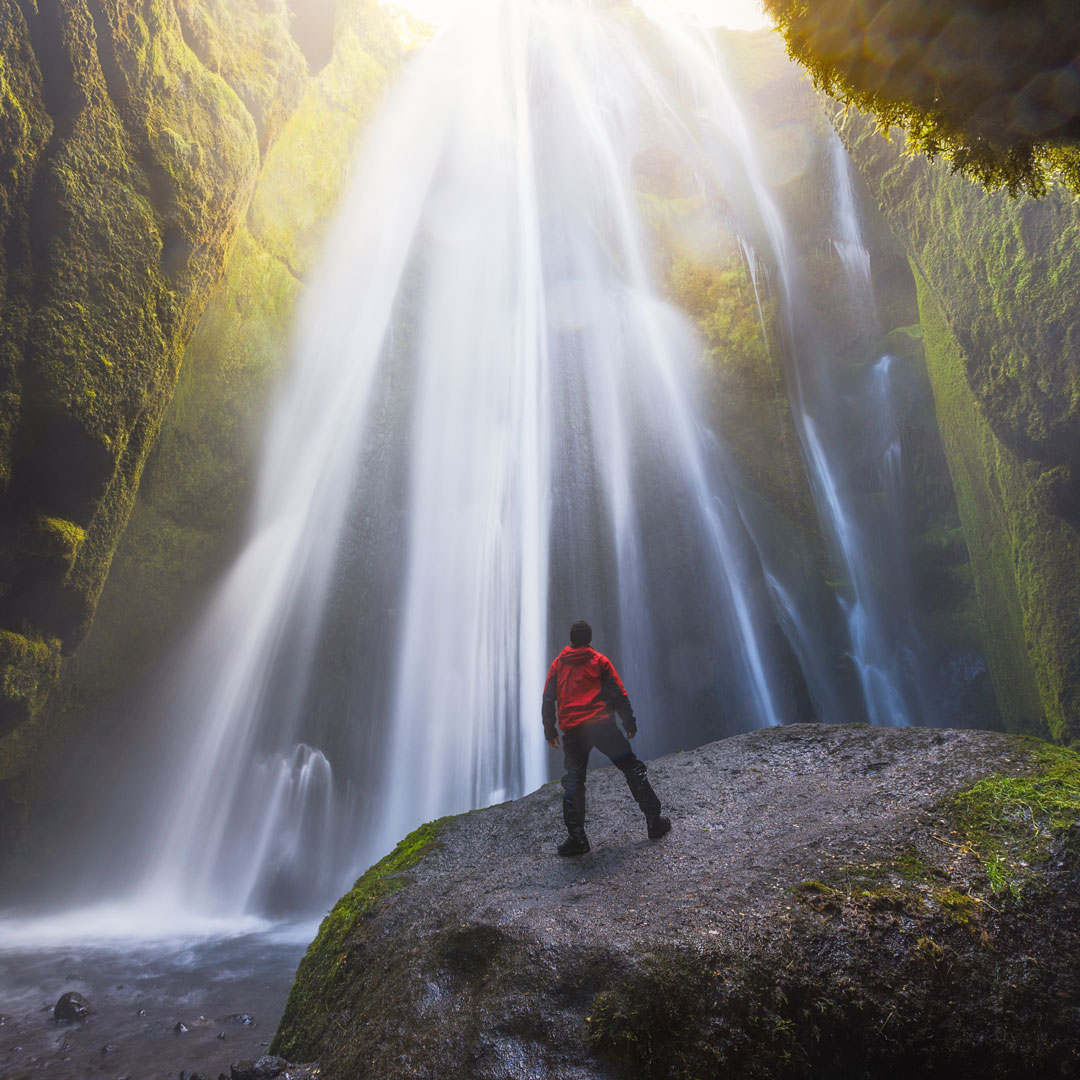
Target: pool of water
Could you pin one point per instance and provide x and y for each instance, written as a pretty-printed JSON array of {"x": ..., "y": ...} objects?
[{"x": 226, "y": 988}]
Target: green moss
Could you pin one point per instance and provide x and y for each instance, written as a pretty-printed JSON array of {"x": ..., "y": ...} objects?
[
  {"x": 905, "y": 884},
  {"x": 199, "y": 478},
  {"x": 27, "y": 669},
  {"x": 959, "y": 907},
  {"x": 25, "y": 128},
  {"x": 327, "y": 973},
  {"x": 122, "y": 227},
  {"x": 911, "y": 66},
  {"x": 1013, "y": 822},
  {"x": 249, "y": 45},
  {"x": 904, "y": 341}
]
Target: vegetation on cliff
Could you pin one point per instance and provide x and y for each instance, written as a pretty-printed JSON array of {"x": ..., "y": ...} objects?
[
  {"x": 132, "y": 135},
  {"x": 992, "y": 87},
  {"x": 999, "y": 288},
  {"x": 199, "y": 478}
]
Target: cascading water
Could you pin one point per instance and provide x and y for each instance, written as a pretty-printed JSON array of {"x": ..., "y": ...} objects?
[
  {"x": 491, "y": 428},
  {"x": 848, "y": 240},
  {"x": 888, "y": 653}
]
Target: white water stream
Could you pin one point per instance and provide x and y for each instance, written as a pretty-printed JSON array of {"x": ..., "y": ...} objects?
[{"x": 492, "y": 410}]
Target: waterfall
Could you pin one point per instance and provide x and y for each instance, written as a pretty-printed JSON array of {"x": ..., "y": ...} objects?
[
  {"x": 492, "y": 425},
  {"x": 490, "y": 428},
  {"x": 848, "y": 240}
]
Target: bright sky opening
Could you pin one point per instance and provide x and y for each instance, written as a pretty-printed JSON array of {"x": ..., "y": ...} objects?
[{"x": 737, "y": 14}]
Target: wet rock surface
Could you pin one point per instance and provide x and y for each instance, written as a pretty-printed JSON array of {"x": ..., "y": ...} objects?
[
  {"x": 71, "y": 1006},
  {"x": 815, "y": 911}
]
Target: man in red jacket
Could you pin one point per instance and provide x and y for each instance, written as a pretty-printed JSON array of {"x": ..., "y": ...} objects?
[{"x": 584, "y": 689}]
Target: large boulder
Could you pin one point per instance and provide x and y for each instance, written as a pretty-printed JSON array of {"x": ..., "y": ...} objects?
[{"x": 833, "y": 901}]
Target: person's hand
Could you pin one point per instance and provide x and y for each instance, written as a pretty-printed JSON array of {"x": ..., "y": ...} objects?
[
  {"x": 553, "y": 742},
  {"x": 631, "y": 733}
]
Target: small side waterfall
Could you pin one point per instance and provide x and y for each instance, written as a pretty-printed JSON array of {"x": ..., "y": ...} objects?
[{"x": 848, "y": 240}]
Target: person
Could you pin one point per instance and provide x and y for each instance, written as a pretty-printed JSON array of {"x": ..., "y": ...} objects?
[{"x": 583, "y": 692}]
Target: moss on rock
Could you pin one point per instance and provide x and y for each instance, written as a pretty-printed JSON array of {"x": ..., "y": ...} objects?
[
  {"x": 990, "y": 86},
  {"x": 999, "y": 286},
  {"x": 28, "y": 667},
  {"x": 331, "y": 972},
  {"x": 983, "y": 472},
  {"x": 249, "y": 44},
  {"x": 1015, "y": 822},
  {"x": 135, "y": 135}
]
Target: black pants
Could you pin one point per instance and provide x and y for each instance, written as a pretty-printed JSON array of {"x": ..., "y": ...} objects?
[{"x": 609, "y": 740}]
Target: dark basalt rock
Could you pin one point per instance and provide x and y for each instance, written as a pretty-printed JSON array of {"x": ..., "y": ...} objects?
[
  {"x": 825, "y": 906},
  {"x": 71, "y": 1006},
  {"x": 271, "y": 1068}
]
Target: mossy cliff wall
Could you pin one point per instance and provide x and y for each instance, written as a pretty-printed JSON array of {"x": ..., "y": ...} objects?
[
  {"x": 198, "y": 479},
  {"x": 133, "y": 135},
  {"x": 999, "y": 293},
  {"x": 993, "y": 86}
]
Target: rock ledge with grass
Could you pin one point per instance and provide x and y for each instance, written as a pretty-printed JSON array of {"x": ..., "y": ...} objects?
[{"x": 834, "y": 901}]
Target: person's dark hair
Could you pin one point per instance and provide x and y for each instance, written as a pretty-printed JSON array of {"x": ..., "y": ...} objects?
[{"x": 580, "y": 634}]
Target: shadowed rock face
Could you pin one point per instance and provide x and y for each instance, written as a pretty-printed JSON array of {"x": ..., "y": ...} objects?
[
  {"x": 823, "y": 907},
  {"x": 999, "y": 288},
  {"x": 994, "y": 86}
]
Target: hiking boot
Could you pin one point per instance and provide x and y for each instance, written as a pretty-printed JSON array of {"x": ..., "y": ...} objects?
[
  {"x": 574, "y": 844},
  {"x": 658, "y": 826}
]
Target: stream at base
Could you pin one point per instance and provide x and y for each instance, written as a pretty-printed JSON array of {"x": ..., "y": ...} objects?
[{"x": 228, "y": 990}]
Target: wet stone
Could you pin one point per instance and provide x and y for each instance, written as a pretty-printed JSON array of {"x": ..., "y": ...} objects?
[
  {"x": 266, "y": 1068},
  {"x": 71, "y": 1006}
]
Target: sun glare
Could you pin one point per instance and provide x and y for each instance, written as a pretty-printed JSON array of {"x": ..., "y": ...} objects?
[{"x": 736, "y": 14}]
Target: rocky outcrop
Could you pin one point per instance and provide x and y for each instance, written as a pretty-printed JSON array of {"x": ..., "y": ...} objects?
[
  {"x": 994, "y": 87},
  {"x": 833, "y": 901},
  {"x": 999, "y": 289},
  {"x": 133, "y": 133}
]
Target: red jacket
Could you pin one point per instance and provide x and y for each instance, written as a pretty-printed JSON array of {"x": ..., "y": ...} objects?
[{"x": 585, "y": 687}]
